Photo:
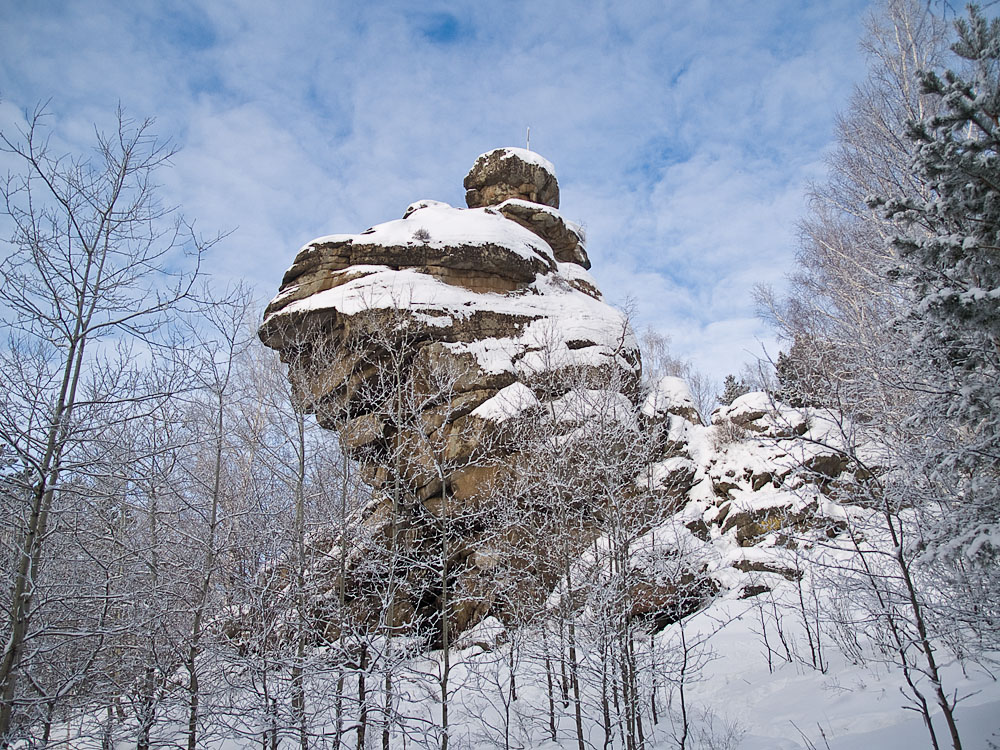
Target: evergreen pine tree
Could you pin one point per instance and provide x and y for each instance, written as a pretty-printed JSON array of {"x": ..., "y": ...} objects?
[
  {"x": 952, "y": 239},
  {"x": 802, "y": 373},
  {"x": 732, "y": 389},
  {"x": 949, "y": 263}
]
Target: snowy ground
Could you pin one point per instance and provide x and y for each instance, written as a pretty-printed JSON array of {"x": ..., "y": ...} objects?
[
  {"x": 735, "y": 699},
  {"x": 849, "y": 707}
]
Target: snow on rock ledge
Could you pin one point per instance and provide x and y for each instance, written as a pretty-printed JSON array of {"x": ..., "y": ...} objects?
[
  {"x": 758, "y": 412},
  {"x": 670, "y": 395}
]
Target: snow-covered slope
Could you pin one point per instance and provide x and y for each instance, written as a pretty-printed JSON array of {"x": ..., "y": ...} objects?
[{"x": 777, "y": 522}]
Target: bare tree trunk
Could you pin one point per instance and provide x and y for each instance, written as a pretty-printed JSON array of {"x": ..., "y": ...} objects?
[
  {"x": 573, "y": 666},
  {"x": 362, "y": 698},
  {"x": 564, "y": 682},
  {"x": 654, "y": 669},
  {"x": 29, "y": 559},
  {"x": 201, "y": 604},
  {"x": 445, "y": 608},
  {"x": 548, "y": 682},
  {"x": 341, "y": 603},
  {"x": 273, "y": 733},
  {"x": 575, "y": 683},
  {"x": 681, "y": 686},
  {"x": 445, "y": 642},
  {"x": 298, "y": 687},
  {"x": 605, "y": 702},
  {"x": 47, "y": 726},
  {"x": 387, "y": 685},
  {"x": 147, "y": 716},
  {"x": 926, "y": 648}
]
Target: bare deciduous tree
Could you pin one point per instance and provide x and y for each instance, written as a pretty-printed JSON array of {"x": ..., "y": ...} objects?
[{"x": 93, "y": 269}]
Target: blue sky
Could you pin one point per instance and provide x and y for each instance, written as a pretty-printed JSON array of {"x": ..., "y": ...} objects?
[{"x": 684, "y": 134}]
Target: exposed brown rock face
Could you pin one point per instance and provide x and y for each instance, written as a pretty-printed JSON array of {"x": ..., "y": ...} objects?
[
  {"x": 422, "y": 340},
  {"x": 565, "y": 239},
  {"x": 511, "y": 173}
]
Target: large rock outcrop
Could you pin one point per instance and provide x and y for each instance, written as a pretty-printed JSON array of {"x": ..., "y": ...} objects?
[
  {"x": 437, "y": 344},
  {"x": 424, "y": 339}
]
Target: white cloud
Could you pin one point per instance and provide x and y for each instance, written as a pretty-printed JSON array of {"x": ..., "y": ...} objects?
[{"x": 683, "y": 134}]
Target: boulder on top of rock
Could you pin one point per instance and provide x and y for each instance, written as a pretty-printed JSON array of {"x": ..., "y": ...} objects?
[
  {"x": 506, "y": 173},
  {"x": 670, "y": 395},
  {"x": 425, "y": 203}
]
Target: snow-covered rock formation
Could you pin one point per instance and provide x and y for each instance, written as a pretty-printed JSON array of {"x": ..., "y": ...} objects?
[
  {"x": 764, "y": 484},
  {"x": 418, "y": 339},
  {"x": 743, "y": 496},
  {"x": 428, "y": 341}
]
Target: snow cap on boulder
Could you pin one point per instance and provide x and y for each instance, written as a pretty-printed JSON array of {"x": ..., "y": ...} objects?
[
  {"x": 425, "y": 203},
  {"x": 670, "y": 395},
  {"x": 505, "y": 173},
  {"x": 758, "y": 412}
]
